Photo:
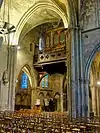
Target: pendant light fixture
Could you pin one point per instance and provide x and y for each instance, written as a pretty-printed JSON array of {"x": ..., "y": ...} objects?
[{"x": 6, "y": 28}]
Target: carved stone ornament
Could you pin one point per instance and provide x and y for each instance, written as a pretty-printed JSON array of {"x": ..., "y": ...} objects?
[{"x": 5, "y": 77}]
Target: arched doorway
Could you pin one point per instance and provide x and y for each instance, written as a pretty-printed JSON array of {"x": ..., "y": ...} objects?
[
  {"x": 95, "y": 85},
  {"x": 23, "y": 89},
  {"x": 91, "y": 80}
]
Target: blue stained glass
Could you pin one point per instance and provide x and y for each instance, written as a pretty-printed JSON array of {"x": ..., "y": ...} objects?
[
  {"x": 46, "y": 80},
  {"x": 24, "y": 81},
  {"x": 43, "y": 83},
  {"x": 41, "y": 43}
]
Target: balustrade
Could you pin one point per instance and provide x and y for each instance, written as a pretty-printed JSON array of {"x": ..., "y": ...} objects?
[{"x": 56, "y": 43}]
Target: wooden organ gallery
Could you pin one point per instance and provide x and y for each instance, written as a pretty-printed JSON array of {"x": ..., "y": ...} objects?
[{"x": 50, "y": 62}]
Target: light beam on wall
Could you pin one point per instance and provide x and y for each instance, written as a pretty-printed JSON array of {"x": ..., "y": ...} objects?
[{"x": 98, "y": 83}]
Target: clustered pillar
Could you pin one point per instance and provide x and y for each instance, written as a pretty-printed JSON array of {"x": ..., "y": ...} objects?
[
  {"x": 78, "y": 83},
  {"x": 7, "y": 91}
]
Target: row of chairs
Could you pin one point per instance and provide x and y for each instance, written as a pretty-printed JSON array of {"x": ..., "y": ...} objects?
[{"x": 54, "y": 122}]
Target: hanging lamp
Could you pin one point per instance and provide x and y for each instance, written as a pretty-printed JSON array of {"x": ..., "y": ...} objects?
[{"x": 6, "y": 28}]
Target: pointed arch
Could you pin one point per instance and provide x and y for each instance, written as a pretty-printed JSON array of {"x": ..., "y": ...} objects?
[
  {"x": 90, "y": 59},
  {"x": 41, "y": 95},
  {"x": 26, "y": 69},
  {"x": 57, "y": 95},
  {"x": 45, "y": 73},
  {"x": 52, "y": 5}
]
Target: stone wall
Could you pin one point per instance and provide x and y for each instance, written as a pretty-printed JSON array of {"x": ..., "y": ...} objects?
[
  {"x": 90, "y": 39},
  {"x": 88, "y": 15},
  {"x": 25, "y": 56},
  {"x": 90, "y": 22},
  {"x": 3, "y": 67},
  {"x": 3, "y": 59},
  {"x": 55, "y": 83}
]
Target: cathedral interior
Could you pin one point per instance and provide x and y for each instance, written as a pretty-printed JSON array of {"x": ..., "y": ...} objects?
[{"x": 50, "y": 66}]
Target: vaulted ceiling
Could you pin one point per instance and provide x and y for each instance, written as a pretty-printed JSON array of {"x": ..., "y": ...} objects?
[
  {"x": 18, "y": 8},
  {"x": 39, "y": 17}
]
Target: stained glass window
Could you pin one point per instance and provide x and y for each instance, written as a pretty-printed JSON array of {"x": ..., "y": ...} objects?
[
  {"x": 44, "y": 81},
  {"x": 41, "y": 43},
  {"x": 24, "y": 81}
]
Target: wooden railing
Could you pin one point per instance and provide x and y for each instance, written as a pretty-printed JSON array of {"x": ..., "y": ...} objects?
[{"x": 56, "y": 43}]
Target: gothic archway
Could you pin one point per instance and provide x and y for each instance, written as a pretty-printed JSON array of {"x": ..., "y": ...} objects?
[
  {"x": 40, "y": 4},
  {"x": 23, "y": 89},
  {"x": 90, "y": 59},
  {"x": 91, "y": 79}
]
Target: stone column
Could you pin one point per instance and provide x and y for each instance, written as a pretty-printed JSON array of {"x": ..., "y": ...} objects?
[
  {"x": 73, "y": 88},
  {"x": 79, "y": 93},
  {"x": 86, "y": 97},
  {"x": 69, "y": 91},
  {"x": 7, "y": 90},
  {"x": 93, "y": 90},
  {"x": 99, "y": 101},
  {"x": 97, "y": 96},
  {"x": 76, "y": 73},
  {"x": 12, "y": 75},
  {"x": 61, "y": 93},
  {"x": 3, "y": 97},
  {"x": 33, "y": 97}
]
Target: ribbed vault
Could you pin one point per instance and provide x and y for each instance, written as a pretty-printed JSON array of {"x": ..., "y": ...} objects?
[{"x": 39, "y": 13}]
